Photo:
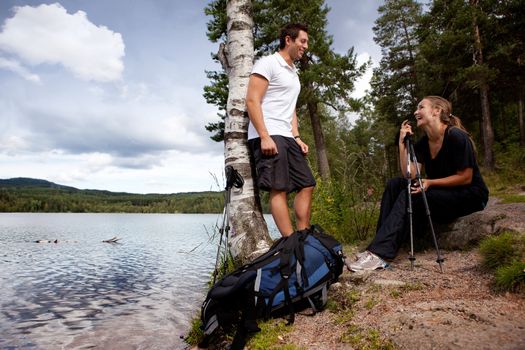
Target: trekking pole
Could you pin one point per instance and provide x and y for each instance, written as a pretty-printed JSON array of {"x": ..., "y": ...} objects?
[
  {"x": 411, "y": 257},
  {"x": 233, "y": 178},
  {"x": 439, "y": 259}
]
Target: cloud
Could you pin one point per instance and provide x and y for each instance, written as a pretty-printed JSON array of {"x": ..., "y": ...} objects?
[
  {"x": 47, "y": 34},
  {"x": 178, "y": 172},
  {"x": 19, "y": 69},
  {"x": 82, "y": 119}
]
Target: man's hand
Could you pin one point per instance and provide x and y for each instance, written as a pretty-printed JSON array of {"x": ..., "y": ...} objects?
[
  {"x": 268, "y": 146},
  {"x": 304, "y": 146}
]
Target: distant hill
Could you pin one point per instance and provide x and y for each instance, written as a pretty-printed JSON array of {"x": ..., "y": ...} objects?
[
  {"x": 36, "y": 195},
  {"x": 29, "y": 182}
]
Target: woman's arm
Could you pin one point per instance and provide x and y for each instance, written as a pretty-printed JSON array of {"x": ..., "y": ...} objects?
[
  {"x": 461, "y": 178},
  {"x": 405, "y": 130}
]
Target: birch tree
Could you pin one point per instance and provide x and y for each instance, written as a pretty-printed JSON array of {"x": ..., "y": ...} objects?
[{"x": 249, "y": 233}]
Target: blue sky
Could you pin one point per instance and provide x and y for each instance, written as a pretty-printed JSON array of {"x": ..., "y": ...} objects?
[{"x": 100, "y": 94}]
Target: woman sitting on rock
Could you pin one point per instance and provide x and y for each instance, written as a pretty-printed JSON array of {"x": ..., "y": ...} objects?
[{"x": 453, "y": 186}]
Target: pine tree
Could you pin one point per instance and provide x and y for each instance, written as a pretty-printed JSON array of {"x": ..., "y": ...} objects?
[
  {"x": 327, "y": 78},
  {"x": 395, "y": 84}
]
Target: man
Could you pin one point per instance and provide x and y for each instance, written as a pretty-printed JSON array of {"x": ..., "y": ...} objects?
[{"x": 273, "y": 134}]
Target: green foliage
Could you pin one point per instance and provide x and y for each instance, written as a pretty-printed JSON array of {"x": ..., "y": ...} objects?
[
  {"x": 195, "y": 334},
  {"x": 341, "y": 303},
  {"x": 396, "y": 83},
  {"x": 326, "y": 77},
  {"x": 511, "y": 277},
  {"x": 366, "y": 339},
  {"x": 501, "y": 250},
  {"x": 268, "y": 337},
  {"x": 225, "y": 266},
  {"x": 55, "y": 198},
  {"x": 434, "y": 53},
  {"x": 513, "y": 198},
  {"x": 505, "y": 254},
  {"x": 347, "y": 212}
]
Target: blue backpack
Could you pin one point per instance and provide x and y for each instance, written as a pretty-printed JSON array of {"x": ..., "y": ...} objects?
[{"x": 293, "y": 274}]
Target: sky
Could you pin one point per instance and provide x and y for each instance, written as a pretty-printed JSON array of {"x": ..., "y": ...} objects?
[{"x": 108, "y": 95}]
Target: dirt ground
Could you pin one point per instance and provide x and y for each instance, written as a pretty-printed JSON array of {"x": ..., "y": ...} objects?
[{"x": 402, "y": 308}]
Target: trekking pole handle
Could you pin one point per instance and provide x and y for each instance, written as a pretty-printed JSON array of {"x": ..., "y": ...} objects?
[{"x": 233, "y": 178}]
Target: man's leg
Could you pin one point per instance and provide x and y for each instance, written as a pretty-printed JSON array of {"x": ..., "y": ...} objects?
[
  {"x": 303, "y": 207},
  {"x": 279, "y": 210}
]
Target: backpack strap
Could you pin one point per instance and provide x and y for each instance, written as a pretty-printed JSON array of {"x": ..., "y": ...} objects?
[
  {"x": 293, "y": 246},
  {"x": 288, "y": 248}
]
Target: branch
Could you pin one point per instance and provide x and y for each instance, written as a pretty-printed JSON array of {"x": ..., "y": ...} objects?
[{"x": 222, "y": 55}]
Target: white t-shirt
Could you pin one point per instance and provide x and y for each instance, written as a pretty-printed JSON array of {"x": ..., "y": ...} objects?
[{"x": 278, "y": 104}]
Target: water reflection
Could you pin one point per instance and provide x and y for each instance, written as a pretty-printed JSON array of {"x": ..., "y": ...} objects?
[
  {"x": 82, "y": 293},
  {"x": 87, "y": 293}
]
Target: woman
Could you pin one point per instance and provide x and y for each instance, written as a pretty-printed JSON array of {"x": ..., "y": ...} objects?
[{"x": 453, "y": 185}]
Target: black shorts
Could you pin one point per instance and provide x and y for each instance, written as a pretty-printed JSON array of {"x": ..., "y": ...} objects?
[{"x": 286, "y": 171}]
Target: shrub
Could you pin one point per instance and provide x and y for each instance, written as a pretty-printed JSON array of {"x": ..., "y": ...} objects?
[
  {"x": 505, "y": 255},
  {"x": 511, "y": 277},
  {"x": 346, "y": 211},
  {"x": 500, "y": 250}
]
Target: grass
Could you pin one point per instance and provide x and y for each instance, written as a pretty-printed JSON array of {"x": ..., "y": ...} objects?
[
  {"x": 501, "y": 250},
  {"x": 271, "y": 336},
  {"x": 512, "y": 198},
  {"x": 505, "y": 255},
  {"x": 341, "y": 303},
  {"x": 511, "y": 277},
  {"x": 366, "y": 339},
  {"x": 195, "y": 334}
]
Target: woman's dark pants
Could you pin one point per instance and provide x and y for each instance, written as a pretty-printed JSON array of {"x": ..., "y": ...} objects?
[{"x": 392, "y": 230}]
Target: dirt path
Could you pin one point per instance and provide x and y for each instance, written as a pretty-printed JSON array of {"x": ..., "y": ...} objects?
[{"x": 420, "y": 309}]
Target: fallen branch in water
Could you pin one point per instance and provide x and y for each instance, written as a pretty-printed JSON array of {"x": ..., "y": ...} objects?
[{"x": 111, "y": 240}]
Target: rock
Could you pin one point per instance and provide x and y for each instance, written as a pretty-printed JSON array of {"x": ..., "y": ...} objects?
[
  {"x": 469, "y": 230},
  {"x": 389, "y": 283},
  {"x": 358, "y": 277}
]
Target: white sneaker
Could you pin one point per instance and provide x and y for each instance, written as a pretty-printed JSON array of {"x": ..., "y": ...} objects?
[
  {"x": 361, "y": 255},
  {"x": 368, "y": 261}
]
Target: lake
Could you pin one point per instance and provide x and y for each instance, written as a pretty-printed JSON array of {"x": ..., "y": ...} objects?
[{"x": 79, "y": 293}]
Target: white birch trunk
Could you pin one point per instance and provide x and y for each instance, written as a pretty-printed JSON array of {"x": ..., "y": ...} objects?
[{"x": 249, "y": 234}]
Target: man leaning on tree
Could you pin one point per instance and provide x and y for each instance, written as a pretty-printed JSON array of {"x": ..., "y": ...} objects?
[{"x": 273, "y": 133}]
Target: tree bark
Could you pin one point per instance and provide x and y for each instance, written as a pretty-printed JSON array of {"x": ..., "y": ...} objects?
[
  {"x": 520, "y": 118},
  {"x": 249, "y": 234},
  {"x": 488, "y": 132},
  {"x": 320, "y": 146}
]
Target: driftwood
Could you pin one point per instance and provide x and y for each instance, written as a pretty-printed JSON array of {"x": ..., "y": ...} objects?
[
  {"x": 112, "y": 240},
  {"x": 53, "y": 241},
  {"x": 46, "y": 241}
]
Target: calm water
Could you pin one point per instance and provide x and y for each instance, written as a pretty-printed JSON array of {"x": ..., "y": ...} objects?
[{"x": 81, "y": 293}]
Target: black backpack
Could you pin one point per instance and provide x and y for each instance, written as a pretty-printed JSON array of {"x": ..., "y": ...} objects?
[{"x": 293, "y": 274}]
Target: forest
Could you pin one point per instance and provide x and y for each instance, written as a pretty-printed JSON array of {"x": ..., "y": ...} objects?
[
  {"x": 34, "y": 195},
  {"x": 470, "y": 52}
]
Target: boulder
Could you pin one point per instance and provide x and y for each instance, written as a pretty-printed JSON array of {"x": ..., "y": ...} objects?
[{"x": 467, "y": 231}]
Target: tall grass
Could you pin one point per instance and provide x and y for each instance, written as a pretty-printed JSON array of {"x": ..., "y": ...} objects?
[
  {"x": 509, "y": 175},
  {"x": 505, "y": 255},
  {"x": 345, "y": 210}
]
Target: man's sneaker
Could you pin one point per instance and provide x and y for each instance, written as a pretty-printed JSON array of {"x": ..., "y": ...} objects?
[{"x": 368, "y": 261}]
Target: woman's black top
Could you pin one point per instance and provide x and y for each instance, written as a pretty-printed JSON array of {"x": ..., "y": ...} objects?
[{"x": 456, "y": 153}]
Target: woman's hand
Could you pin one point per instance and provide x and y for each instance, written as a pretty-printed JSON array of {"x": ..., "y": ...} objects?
[
  {"x": 415, "y": 188},
  {"x": 406, "y": 129}
]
